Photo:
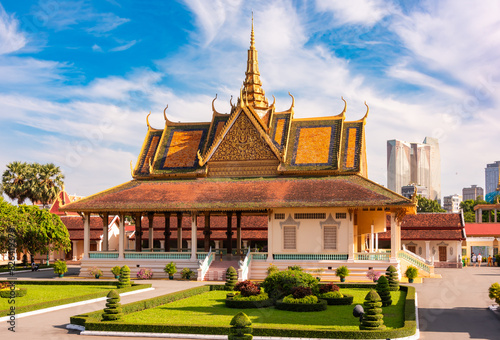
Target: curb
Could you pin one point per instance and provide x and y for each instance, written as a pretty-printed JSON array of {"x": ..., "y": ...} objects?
[{"x": 69, "y": 305}]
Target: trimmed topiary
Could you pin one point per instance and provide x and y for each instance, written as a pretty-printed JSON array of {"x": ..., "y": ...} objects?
[
  {"x": 124, "y": 280},
  {"x": 373, "y": 319},
  {"x": 113, "y": 310},
  {"x": 392, "y": 276},
  {"x": 241, "y": 327},
  {"x": 383, "y": 291},
  {"x": 231, "y": 278},
  {"x": 320, "y": 305},
  {"x": 280, "y": 284},
  {"x": 247, "y": 288}
]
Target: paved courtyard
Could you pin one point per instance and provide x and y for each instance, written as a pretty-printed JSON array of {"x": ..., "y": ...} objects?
[{"x": 454, "y": 307}]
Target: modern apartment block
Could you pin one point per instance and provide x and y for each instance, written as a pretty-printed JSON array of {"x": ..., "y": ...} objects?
[
  {"x": 491, "y": 177},
  {"x": 408, "y": 190},
  {"x": 414, "y": 163},
  {"x": 452, "y": 203},
  {"x": 472, "y": 193}
]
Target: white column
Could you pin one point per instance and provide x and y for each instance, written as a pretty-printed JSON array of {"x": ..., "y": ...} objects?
[
  {"x": 217, "y": 242},
  {"x": 194, "y": 240},
  {"x": 188, "y": 244},
  {"x": 376, "y": 242},
  {"x": 99, "y": 245},
  {"x": 394, "y": 236},
  {"x": 75, "y": 250},
  {"x": 371, "y": 239},
  {"x": 162, "y": 244},
  {"x": 86, "y": 236},
  {"x": 350, "y": 241},
  {"x": 270, "y": 220},
  {"x": 427, "y": 250},
  {"x": 121, "y": 237}
]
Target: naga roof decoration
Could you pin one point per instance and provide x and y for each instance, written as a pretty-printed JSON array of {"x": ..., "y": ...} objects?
[{"x": 254, "y": 140}]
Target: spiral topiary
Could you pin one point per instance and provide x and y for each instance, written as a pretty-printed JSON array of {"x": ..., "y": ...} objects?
[
  {"x": 124, "y": 280},
  {"x": 383, "y": 291},
  {"x": 241, "y": 327},
  {"x": 373, "y": 319},
  {"x": 113, "y": 310},
  {"x": 392, "y": 276},
  {"x": 231, "y": 278}
]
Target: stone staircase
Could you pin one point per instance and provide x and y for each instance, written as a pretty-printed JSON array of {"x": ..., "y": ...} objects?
[{"x": 217, "y": 270}]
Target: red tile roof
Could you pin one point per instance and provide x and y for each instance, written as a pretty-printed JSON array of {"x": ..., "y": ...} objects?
[
  {"x": 482, "y": 229},
  {"x": 429, "y": 226},
  {"x": 74, "y": 224},
  {"x": 216, "y": 194},
  {"x": 62, "y": 198}
]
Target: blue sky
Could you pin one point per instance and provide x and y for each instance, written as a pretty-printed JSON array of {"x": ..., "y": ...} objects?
[{"x": 77, "y": 78}]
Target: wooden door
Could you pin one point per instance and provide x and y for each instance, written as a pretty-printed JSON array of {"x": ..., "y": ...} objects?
[
  {"x": 413, "y": 249},
  {"x": 442, "y": 254}
]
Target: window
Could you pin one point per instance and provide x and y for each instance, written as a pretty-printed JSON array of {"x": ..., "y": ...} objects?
[
  {"x": 330, "y": 237},
  {"x": 340, "y": 216},
  {"x": 289, "y": 238},
  {"x": 279, "y": 216},
  {"x": 309, "y": 216}
]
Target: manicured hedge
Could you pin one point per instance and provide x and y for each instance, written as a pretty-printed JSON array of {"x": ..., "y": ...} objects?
[
  {"x": 19, "y": 292},
  {"x": 65, "y": 301},
  {"x": 231, "y": 303},
  {"x": 63, "y": 282},
  {"x": 346, "y": 300},
  {"x": 302, "y": 307},
  {"x": 91, "y": 321}
]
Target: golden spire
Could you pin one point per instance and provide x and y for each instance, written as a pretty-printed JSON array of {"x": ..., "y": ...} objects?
[{"x": 253, "y": 93}]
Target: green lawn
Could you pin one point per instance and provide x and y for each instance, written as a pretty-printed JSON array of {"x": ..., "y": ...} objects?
[{"x": 209, "y": 309}]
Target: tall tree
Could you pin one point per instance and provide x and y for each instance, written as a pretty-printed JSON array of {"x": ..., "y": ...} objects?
[
  {"x": 16, "y": 181},
  {"x": 10, "y": 221},
  {"x": 428, "y": 205},
  {"x": 49, "y": 182}
]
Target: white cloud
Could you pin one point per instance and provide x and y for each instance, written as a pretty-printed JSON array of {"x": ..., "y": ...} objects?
[
  {"x": 96, "y": 48},
  {"x": 124, "y": 46},
  {"x": 107, "y": 22},
  {"x": 11, "y": 39},
  {"x": 359, "y": 12}
]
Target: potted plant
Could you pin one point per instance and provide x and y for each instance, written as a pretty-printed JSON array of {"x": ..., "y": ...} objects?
[
  {"x": 60, "y": 268},
  {"x": 116, "y": 271},
  {"x": 96, "y": 272},
  {"x": 170, "y": 269},
  {"x": 186, "y": 273},
  {"x": 411, "y": 273},
  {"x": 342, "y": 272}
]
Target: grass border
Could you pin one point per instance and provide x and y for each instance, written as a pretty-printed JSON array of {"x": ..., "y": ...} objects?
[
  {"x": 53, "y": 303},
  {"x": 91, "y": 321}
]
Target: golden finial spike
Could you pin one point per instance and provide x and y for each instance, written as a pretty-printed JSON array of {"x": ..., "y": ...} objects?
[
  {"x": 131, "y": 169},
  {"x": 147, "y": 120},
  {"x": 367, "y": 110},
  {"x": 241, "y": 96},
  {"x": 252, "y": 36}
]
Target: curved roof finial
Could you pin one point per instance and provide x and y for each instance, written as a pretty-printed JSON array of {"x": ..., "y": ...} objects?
[
  {"x": 274, "y": 101},
  {"x": 293, "y": 101},
  {"x": 241, "y": 96},
  {"x": 367, "y": 110},
  {"x": 147, "y": 120},
  {"x": 164, "y": 114},
  {"x": 231, "y": 101},
  {"x": 345, "y": 106},
  {"x": 213, "y": 105}
]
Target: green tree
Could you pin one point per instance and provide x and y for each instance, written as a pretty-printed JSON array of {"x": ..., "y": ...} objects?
[
  {"x": 427, "y": 205},
  {"x": 48, "y": 182},
  {"x": 9, "y": 219},
  {"x": 16, "y": 181},
  {"x": 467, "y": 207},
  {"x": 42, "y": 232}
]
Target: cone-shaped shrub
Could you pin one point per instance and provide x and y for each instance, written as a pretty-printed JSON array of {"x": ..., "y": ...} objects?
[
  {"x": 241, "y": 327},
  {"x": 113, "y": 310},
  {"x": 383, "y": 291},
  {"x": 392, "y": 276},
  {"x": 124, "y": 280},
  {"x": 373, "y": 319},
  {"x": 231, "y": 278}
]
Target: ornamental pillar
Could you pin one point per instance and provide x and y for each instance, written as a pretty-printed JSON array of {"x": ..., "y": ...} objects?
[
  {"x": 179, "y": 231},
  {"x": 270, "y": 220},
  {"x": 167, "y": 232},
  {"x": 238, "y": 232},
  {"x": 207, "y": 232},
  {"x": 138, "y": 232},
  {"x": 151, "y": 217},
  {"x": 121, "y": 236},
  {"x": 394, "y": 236},
  {"x": 428, "y": 250},
  {"x": 194, "y": 239},
  {"x": 86, "y": 235},
  {"x": 75, "y": 250},
  {"x": 105, "y": 219},
  {"x": 229, "y": 233},
  {"x": 372, "y": 239}
]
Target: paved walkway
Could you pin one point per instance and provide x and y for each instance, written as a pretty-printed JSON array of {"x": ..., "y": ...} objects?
[{"x": 454, "y": 307}]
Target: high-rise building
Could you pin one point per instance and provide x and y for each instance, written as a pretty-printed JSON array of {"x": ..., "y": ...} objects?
[
  {"x": 491, "y": 177},
  {"x": 472, "y": 193},
  {"x": 452, "y": 203},
  {"x": 408, "y": 190},
  {"x": 414, "y": 163}
]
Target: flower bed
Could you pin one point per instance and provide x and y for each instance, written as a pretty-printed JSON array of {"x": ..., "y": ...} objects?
[{"x": 19, "y": 292}]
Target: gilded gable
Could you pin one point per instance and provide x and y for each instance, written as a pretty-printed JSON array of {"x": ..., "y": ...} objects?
[{"x": 243, "y": 143}]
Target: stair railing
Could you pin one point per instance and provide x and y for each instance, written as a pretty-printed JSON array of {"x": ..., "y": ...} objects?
[
  {"x": 205, "y": 264},
  {"x": 244, "y": 268}
]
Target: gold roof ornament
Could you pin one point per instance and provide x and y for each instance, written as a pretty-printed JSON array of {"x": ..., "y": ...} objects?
[{"x": 254, "y": 94}]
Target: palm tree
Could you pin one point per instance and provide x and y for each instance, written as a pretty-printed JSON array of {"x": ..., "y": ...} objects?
[
  {"x": 48, "y": 182},
  {"x": 16, "y": 181}
]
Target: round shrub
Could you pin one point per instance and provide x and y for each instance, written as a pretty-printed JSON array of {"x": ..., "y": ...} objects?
[
  {"x": 373, "y": 319},
  {"x": 231, "y": 278},
  {"x": 113, "y": 310},
  {"x": 329, "y": 287},
  {"x": 392, "y": 276},
  {"x": 383, "y": 291},
  {"x": 308, "y": 299},
  {"x": 124, "y": 280},
  {"x": 331, "y": 295},
  {"x": 241, "y": 327},
  {"x": 344, "y": 300},
  {"x": 295, "y": 267},
  {"x": 280, "y": 284},
  {"x": 256, "y": 301},
  {"x": 301, "y": 292},
  {"x": 302, "y": 307},
  {"x": 247, "y": 288}
]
